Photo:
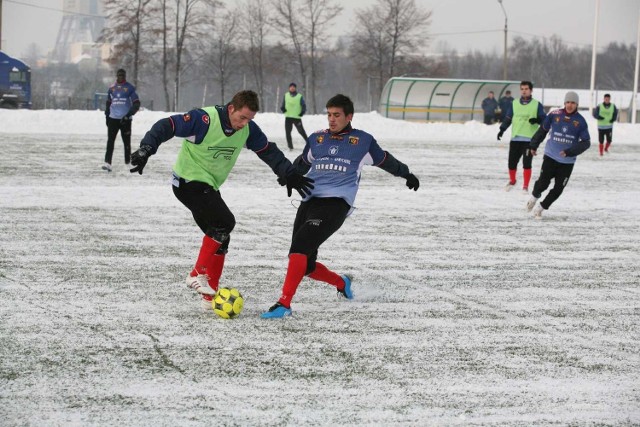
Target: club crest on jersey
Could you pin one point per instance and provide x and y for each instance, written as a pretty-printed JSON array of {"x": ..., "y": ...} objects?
[
  {"x": 336, "y": 137},
  {"x": 186, "y": 117},
  {"x": 205, "y": 118},
  {"x": 557, "y": 119},
  {"x": 333, "y": 150},
  {"x": 353, "y": 140},
  {"x": 320, "y": 139},
  {"x": 576, "y": 123}
]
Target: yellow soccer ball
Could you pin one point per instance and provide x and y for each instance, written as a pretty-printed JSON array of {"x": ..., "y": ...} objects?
[{"x": 227, "y": 303}]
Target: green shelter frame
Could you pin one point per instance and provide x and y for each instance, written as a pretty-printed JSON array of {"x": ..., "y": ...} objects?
[{"x": 448, "y": 100}]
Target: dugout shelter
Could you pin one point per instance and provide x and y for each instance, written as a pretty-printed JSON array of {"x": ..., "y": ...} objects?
[{"x": 442, "y": 100}]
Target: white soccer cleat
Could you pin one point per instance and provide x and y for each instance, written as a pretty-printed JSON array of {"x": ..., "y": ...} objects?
[
  {"x": 525, "y": 190},
  {"x": 106, "y": 167},
  {"x": 206, "y": 302},
  {"x": 200, "y": 284},
  {"x": 537, "y": 212},
  {"x": 531, "y": 203},
  {"x": 509, "y": 186}
]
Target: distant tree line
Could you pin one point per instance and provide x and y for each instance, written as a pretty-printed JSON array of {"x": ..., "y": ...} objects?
[{"x": 186, "y": 53}]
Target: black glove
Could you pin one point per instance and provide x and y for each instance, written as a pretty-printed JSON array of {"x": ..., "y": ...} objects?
[
  {"x": 125, "y": 118},
  {"x": 600, "y": 118},
  {"x": 301, "y": 183},
  {"x": 611, "y": 121},
  {"x": 284, "y": 110},
  {"x": 412, "y": 182},
  {"x": 500, "y": 134},
  {"x": 139, "y": 158},
  {"x": 301, "y": 114},
  {"x": 534, "y": 120}
]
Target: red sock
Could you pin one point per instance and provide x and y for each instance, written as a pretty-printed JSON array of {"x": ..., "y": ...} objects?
[
  {"x": 295, "y": 273},
  {"x": 323, "y": 274},
  {"x": 526, "y": 173},
  {"x": 208, "y": 248},
  {"x": 512, "y": 176},
  {"x": 601, "y": 147},
  {"x": 607, "y": 147},
  {"x": 214, "y": 270}
]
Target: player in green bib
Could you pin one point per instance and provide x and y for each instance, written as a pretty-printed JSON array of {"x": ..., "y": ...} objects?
[
  {"x": 525, "y": 114},
  {"x": 214, "y": 137},
  {"x": 293, "y": 107},
  {"x": 607, "y": 114}
]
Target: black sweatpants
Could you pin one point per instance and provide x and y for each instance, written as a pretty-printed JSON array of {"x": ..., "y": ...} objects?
[
  {"x": 559, "y": 172},
  {"x": 517, "y": 150},
  {"x": 316, "y": 220},
  {"x": 113, "y": 126},
  {"x": 209, "y": 211},
  {"x": 289, "y": 122},
  {"x": 605, "y": 133}
]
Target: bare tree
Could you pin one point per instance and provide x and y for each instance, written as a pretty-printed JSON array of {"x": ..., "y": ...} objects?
[
  {"x": 317, "y": 13},
  {"x": 192, "y": 22},
  {"x": 387, "y": 31},
  {"x": 292, "y": 30},
  {"x": 223, "y": 49},
  {"x": 257, "y": 30},
  {"x": 125, "y": 28}
]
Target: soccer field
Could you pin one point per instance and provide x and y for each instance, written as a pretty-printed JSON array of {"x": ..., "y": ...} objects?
[{"x": 467, "y": 311}]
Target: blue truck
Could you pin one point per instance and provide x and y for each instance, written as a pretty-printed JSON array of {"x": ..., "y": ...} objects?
[{"x": 15, "y": 83}]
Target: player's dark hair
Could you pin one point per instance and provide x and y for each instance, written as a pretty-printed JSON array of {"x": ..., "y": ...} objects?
[
  {"x": 341, "y": 101},
  {"x": 527, "y": 83},
  {"x": 246, "y": 98},
  {"x": 606, "y": 95}
]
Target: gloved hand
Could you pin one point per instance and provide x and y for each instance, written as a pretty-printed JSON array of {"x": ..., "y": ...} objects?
[
  {"x": 412, "y": 182},
  {"x": 139, "y": 158},
  {"x": 600, "y": 118},
  {"x": 125, "y": 119},
  {"x": 301, "y": 183},
  {"x": 534, "y": 120},
  {"x": 611, "y": 121},
  {"x": 500, "y": 134},
  {"x": 284, "y": 110},
  {"x": 301, "y": 114}
]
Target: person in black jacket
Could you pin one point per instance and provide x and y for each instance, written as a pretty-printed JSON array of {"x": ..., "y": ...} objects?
[{"x": 489, "y": 106}]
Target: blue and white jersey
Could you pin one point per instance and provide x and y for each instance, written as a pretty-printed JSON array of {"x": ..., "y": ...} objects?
[
  {"x": 120, "y": 99},
  {"x": 336, "y": 161},
  {"x": 568, "y": 133}
]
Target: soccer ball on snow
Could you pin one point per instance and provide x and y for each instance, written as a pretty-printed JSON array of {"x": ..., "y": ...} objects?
[{"x": 227, "y": 303}]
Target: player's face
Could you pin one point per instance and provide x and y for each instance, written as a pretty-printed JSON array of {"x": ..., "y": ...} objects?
[
  {"x": 240, "y": 118},
  {"x": 525, "y": 92},
  {"x": 120, "y": 77},
  {"x": 337, "y": 119},
  {"x": 571, "y": 107}
]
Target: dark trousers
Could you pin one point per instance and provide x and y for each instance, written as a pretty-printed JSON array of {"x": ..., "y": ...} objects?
[
  {"x": 605, "y": 133},
  {"x": 113, "y": 126},
  {"x": 209, "y": 211},
  {"x": 518, "y": 150},
  {"x": 488, "y": 119},
  {"x": 559, "y": 172},
  {"x": 316, "y": 220},
  {"x": 289, "y": 122}
]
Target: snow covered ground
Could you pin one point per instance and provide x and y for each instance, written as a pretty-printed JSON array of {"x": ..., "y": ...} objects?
[{"x": 467, "y": 310}]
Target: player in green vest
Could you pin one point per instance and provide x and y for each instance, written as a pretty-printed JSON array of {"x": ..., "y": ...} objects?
[
  {"x": 214, "y": 137},
  {"x": 293, "y": 107},
  {"x": 606, "y": 113},
  {"x": 525, "y": 114}
]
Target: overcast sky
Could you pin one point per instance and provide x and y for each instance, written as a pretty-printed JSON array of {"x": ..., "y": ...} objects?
[{"x": 460, "y": 24}]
